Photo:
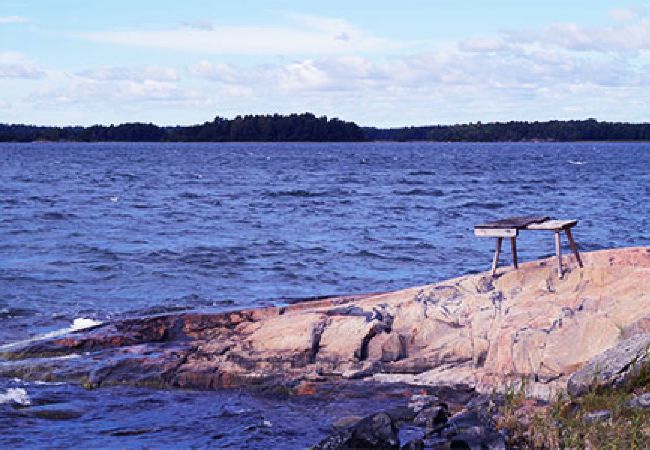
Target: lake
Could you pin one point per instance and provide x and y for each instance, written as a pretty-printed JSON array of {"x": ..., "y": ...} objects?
[{"x": 100, "y": 231}]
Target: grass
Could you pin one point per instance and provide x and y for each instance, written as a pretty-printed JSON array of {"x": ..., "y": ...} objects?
[{"x": 561, "y": 423}]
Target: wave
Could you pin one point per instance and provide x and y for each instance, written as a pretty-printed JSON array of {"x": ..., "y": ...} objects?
[
  {"x": 297, "y": 193},
  {"x": 422, "y": 192},
  {"x": 422, "y": 172},
  {"x": 78, "y": 324},
  {"x": 11, "y": 313},
  {"x": 36, "y": 198},
  {"x": 483, "y": 205},
  {"x": 411, "y": 182},
  {"x": 57, "y": 216},
  {"x": 575, "y": 162},
  {"x": 190, "y": 195}
]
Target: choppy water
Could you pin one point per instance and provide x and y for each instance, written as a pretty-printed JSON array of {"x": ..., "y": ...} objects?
[{"x": 99, "y": 231}]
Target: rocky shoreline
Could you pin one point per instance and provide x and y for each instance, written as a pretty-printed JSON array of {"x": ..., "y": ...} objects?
[{"x": 524, "y": 328}]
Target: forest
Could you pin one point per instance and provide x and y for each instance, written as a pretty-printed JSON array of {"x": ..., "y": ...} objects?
[
  {"x": 267, "y": 128},
  {"x": 307, "y": 127},
  {"x": 553, "y": 130}
]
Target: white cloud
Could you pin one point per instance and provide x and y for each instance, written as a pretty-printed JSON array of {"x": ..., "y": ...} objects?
[
  {"x": 198, "y": 24},
  {"x": 216, "y": 72},
  {"x": 625, "y": 14},
  {"x": 143, "y": 73},
  {"x": 557, "y": 71},
  {"x": 633, "y": 36},
  {"x": 68, "y": 89},
  {"x": 304, "y": 75},
  {"x": 487, "y": 44},
  {"x": 16, "y": 65},
  {"x": 6, "y": 20},
  {"x": 304, "y": 34}
]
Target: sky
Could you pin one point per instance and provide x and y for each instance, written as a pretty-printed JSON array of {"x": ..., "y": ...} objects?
[{"x": 378, "y": 63}]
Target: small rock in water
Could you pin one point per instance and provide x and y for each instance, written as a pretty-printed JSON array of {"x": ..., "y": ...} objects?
[
  {"x": 598, "y": 416},
  {"x": 401, "y": 414},
  {"x": 415, "y": 444},
  {"x": 345, "y": 422},
  {"x": 431, "y": 417},
  {"x": 420, "y": 401},
  {"x": 375, "y": 431},
  {"x": 55, "y": 414}
]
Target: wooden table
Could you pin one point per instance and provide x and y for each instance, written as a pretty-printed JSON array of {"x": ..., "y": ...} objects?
[{"x": 510, "y": 227}]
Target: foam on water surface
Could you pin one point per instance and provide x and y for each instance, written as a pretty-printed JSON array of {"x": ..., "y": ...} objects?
[
  {"x": 15, "y": 395},
  {"x": 77, "y": 325}
]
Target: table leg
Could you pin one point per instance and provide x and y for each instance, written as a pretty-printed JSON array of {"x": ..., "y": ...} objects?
[
  {"x": 558, "y": 252},
  {"x": 513, "y": 247},
  {"x": 497, "y": 252},
  {"x": 573, "y": 245}
]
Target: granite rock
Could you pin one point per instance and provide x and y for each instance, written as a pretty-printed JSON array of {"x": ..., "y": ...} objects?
[{"x": 474, "y": 331}]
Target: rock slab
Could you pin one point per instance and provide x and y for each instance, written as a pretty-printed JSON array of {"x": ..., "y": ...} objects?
[{"x": 474, "y": 331}]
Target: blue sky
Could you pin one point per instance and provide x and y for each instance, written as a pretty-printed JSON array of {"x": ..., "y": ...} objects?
[{"x": 381, "y": 63}]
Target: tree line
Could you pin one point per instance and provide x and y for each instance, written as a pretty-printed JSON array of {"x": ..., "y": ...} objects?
[
  {"x": 269, "y": 128},
  {"x": 553, "y": 130},
  {"x": 308, "y": 127}
]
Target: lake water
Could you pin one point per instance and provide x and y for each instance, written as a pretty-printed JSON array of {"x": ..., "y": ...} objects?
[{"x": 102, "y": 231}]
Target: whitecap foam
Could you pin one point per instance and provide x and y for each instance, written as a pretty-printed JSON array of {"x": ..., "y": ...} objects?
[
  {"x": 49, "y": 383},
  {"x": 15, "y": 395},
  {"x": 78, "y": 324},
  {"x": 38, "y": 382},
  {"x": 81, "y": 323},
  {"x": 576, "y": 163}
]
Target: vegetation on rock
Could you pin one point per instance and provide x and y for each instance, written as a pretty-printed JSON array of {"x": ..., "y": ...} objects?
[{"x": 604, "y": 418}]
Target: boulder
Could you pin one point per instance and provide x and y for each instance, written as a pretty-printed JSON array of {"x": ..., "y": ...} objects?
[
  {"x": 432, "y": 417},
  {"x": 375, "y": 431},
  {"x": 612, "y": 367}
]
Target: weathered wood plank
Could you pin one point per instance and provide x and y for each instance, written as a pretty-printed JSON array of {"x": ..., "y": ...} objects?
[
  {"x": 573, "y": 245},
  {"x": 513, "y": 247},
  {"x": 496, "y": 232},
  {"x": 497, "y": 252},
  {"x": 513, "y": 222},
  {"x": 558, "y": 252},
  {"x": 552, "y": 225}
]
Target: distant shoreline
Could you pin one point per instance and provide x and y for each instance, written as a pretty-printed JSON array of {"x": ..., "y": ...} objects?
[
  {"x": 41, "y": 141},
  {"x": 307, "y": 127}
]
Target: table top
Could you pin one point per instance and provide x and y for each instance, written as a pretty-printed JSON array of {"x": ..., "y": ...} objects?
[
  {"x": 520, "y": 222},
  {"x": 552, "y": 225}
]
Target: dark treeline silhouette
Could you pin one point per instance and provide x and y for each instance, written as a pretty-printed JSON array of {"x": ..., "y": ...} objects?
[
  {"x": 308, "y": 127},
  {"x": 274, "y": 128},
  {"x": 554, "y": 130}
]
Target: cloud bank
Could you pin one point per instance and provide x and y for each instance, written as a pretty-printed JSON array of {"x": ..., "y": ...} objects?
[{"x": 333, "y": 67}]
